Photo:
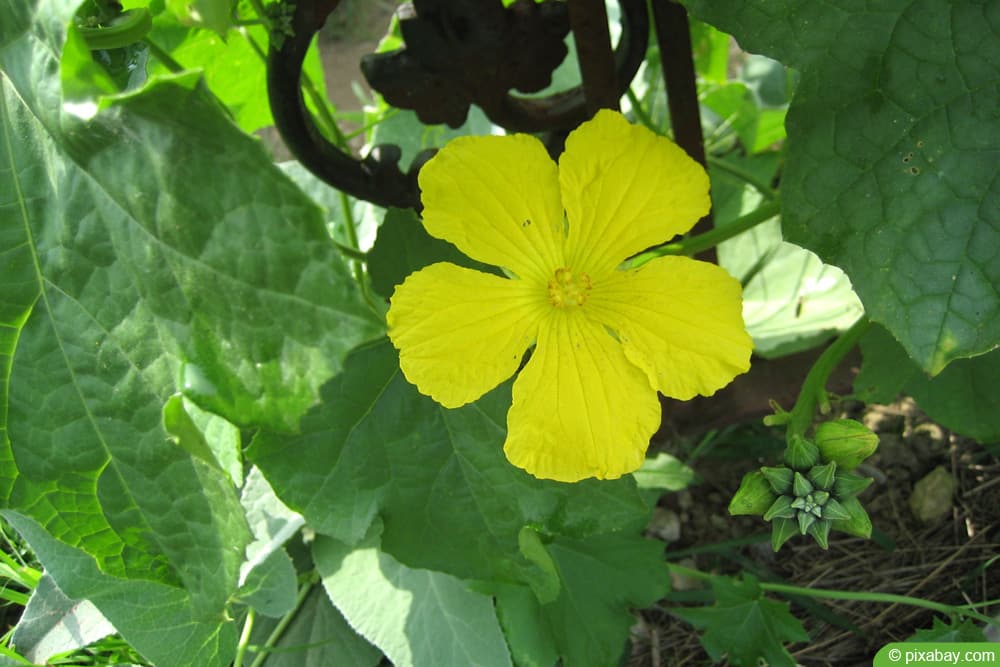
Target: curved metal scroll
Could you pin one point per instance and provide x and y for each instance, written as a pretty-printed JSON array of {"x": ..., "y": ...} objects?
[
  {"x": 376, "y": 178},
  {"x": 459, "y": 52},
  {"x": 462, "y": 52}
]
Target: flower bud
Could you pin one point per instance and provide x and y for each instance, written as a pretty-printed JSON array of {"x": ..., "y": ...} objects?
[
  {"x": 846, "y": 442},
  {"x": 754, "y": 496}
]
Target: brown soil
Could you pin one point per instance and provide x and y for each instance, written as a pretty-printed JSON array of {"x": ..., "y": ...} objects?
[{"x": 943, "y": 560}]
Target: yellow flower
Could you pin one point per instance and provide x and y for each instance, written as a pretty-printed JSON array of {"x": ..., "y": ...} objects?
[{"x": 606, "y": 339}]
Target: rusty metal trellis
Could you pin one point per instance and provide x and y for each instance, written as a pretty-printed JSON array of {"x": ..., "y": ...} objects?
[{"x": 457, "y": 53}]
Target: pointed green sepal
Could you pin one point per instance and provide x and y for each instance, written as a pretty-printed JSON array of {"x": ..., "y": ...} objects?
[
  {"x": 834, "y": 511},
  {"x": 801, "y": 454},
  {"x": 820, "y": 532},
  {"x": 823, "y": 476},
  {"x": 848, "y": 485},
  {"x": 805, "y": 519},
  {"x": 781, "y": 508},
  {"x": 846, "y": 442},
  {"x": 801, "y": 486},
  {"x": 781, "y": 531},
  {"x": 820, "y": 497},
  {"x": 780, "y": 478},
  {"x": 754, "y": 496},
  {"x": 799, "y": 503},
  {"x": 858, "y": 524}
]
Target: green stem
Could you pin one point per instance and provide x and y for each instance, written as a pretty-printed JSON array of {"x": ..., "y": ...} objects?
[
  {"x": 829, "y": 594},
  {"x": 766, "y": 190},
  {"x": 696, "y": 244},
  {"x": 639, "y": 111},
  {"x": 351, "y": 253},
  {"x": 813, "y": 392},
  {"x": 164, "y": 57},
  {"x": 279, "y": 629},
  {"x": 241, "y": 648}
]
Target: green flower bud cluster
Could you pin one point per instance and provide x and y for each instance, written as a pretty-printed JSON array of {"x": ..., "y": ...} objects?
[{"x": 815, "y": 491}]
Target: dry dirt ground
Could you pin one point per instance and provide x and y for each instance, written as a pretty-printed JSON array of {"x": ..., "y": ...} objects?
[{"x": 945, "y": 559}]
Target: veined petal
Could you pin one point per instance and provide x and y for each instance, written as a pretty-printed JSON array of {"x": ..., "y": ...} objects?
[
  {"x": 461, "y": 332},
  {"x": 680, "y": 320},
  {"x": 625, "y": 189},
  {"x": 497, "y": 199},
  {"x": 580, "y": 409}
]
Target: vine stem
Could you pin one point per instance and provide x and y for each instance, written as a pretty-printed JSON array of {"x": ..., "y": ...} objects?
[
  {"x": 831, "y": 594},
  {"x": 812, "y": 396},
  {"x": 764, "y": 189},
  {"x": 241, "y": 647},
  {"x": 697, "y": 244},
  {"x": 279, "y": 629}
]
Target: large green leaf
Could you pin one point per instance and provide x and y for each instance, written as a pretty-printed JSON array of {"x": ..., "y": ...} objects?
[
  {"x": 893, "y": 142},
  {"x": 317, "y": 636},
  {"x": 53, "y": 623},
  {"x": 449, "y": 499},
  {"x": 154, "y": 618},
  {"x": 791, "y": 300},
  {"x": 601, "y": 577},
  {"x": 745, "y": 625},
  {"x": 153, "y": 248},
  {"x": 962, "y": 397},
  {"x": 417, "y": 617}
]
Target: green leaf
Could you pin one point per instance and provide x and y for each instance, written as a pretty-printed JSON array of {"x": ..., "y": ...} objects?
[
  {"x": 53, "y": 623},
  {"x": 402, "y": 128},
  {"x": 745, "y": 625},
  {"x": 953, "y": 630},
  {"x": 160, "y": 250},
  {"x": 416, "y": 617},
  {"x": 858, "y": 522},
  {"x": 847, "y": 485},
  {"x": 962, "y": 397},
  {"x": 822, "y": 476},
  {"x": 781, "y": 508},
  {"x": 546, "y": 585},
  {"x": 375, "y": 446},
  {"x": 216, "y": 15},
  {"x": 602, "y": 576},
  {"x": 782, "y": 530},
  {"x": 403, "y": 246},
  {"x": 318, "y": 636},
  {"x": 660, "y": 474},
  {"x": 270, "y": 587},
  {"x": 820, "y": 531},
  {"x": 270, "y": 521},
  {"x": 892, "y": 145},
  {"x": 525, "y": 628},
  {"x": 791, "y": 300},
  {"x": 801, "y": 454},
  {"x": 153, "y": 618},
  {"x": 217, "y": 59}
]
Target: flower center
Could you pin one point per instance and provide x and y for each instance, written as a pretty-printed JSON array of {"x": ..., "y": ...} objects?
[{"x": 566, "y": 289}]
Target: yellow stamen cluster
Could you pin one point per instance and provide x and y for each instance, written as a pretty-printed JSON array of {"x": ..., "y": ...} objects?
[{"x": 565, "y": 289}]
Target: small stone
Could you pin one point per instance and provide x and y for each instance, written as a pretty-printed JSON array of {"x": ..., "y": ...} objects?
[
  {"x": 931, "y": 500},
  {"x": 664, "y": 525}
]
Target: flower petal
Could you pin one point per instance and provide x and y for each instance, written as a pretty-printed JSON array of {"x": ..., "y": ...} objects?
[
  {"x": 497, "y": 199},
  {"x": 580, "y": 409},
  {"x": 461, "y": 332},
  {"x": 625, "y": 189},
  {"x": 680, "y": 321}
]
